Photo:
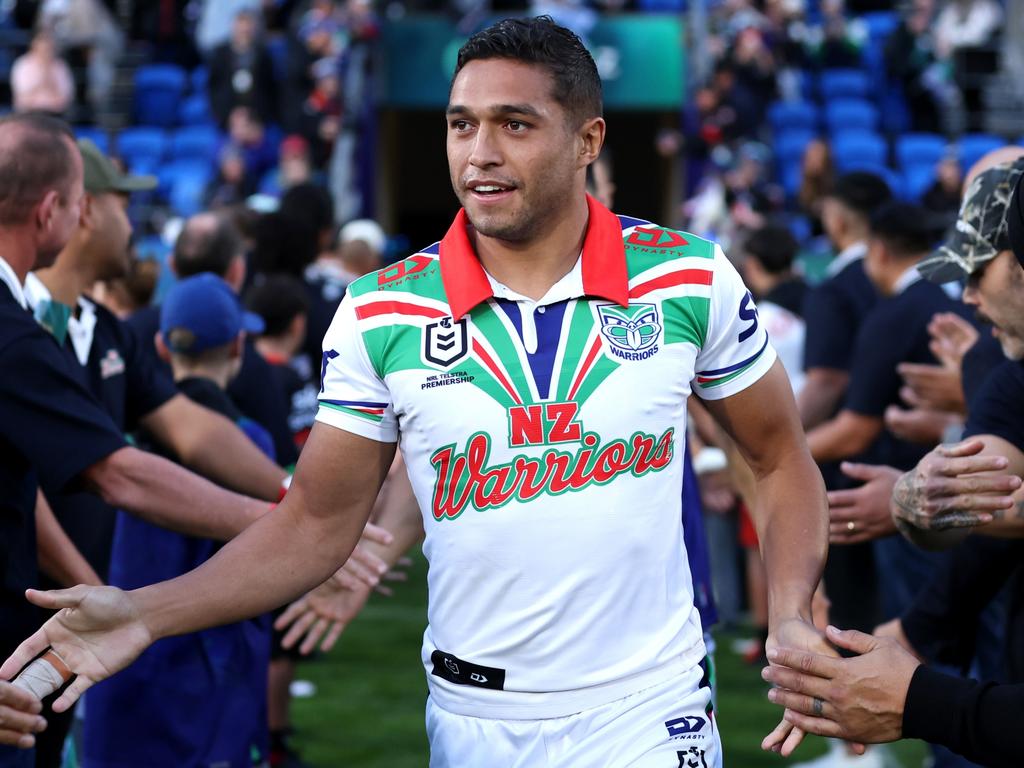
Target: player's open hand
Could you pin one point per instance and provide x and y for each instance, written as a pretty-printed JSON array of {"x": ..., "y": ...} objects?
[
  {"x": 97, "y": 631},
  {"x": 321, "y": 615},
  {"x": 363, "y": 567},
  {"x": 795, "y": 634}
]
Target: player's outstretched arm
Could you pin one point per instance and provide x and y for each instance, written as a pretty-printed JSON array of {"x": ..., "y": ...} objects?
[
  {"x": 101, "y": 630},
  {"x": 791, "y": 513}
]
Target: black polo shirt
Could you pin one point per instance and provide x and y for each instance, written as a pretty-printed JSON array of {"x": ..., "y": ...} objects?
[
  {"x": 125, "y": 376},
  {"x": 256, "y": 389},
  {"x": 834, "y": 312},
  {"x": 51, "y": 429},
  {"x": 896, "y": 331}
]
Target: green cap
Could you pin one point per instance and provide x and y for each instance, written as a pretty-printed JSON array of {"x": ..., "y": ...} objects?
[
  {"x": 101, "y": 175},
  {"x": 981, "y": 231}
]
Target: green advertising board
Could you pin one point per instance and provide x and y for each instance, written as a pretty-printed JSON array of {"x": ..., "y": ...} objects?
[{"x": 641, "y": 59}]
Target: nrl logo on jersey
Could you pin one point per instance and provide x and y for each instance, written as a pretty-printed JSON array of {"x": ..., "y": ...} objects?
[
  {"x": 445, "y": 342},
  {"x": 632, "y": 332}
]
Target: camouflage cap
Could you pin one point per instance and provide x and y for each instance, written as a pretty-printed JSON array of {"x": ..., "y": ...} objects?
[
  {"x": 981, "y": 231},
  {"x": 1015, "y": 221}
]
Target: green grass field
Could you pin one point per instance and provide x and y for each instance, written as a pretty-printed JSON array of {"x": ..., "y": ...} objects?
[{"x": 368, "y": 709}]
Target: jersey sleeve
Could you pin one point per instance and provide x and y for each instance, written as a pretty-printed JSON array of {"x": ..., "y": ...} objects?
[
  {"x": 736, "y": 352},
  {"x": 353, "y": 396},
  {"x": 47, "y": 413}
]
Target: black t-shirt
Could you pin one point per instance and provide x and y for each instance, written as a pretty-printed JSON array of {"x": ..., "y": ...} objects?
[
  {"x": 256, "y": 390},
  {"x": 998, "y": 408},
  {"x": 789, "y": 295},
  {"x": 834, "y": 312},
  {"x": 296, "y": 379},
  {"x": 895, "y": 332},
  {"x": 127, "y": 378},
  {"x": 325, "y": 292},
  {"x": 51, "y": 429}
]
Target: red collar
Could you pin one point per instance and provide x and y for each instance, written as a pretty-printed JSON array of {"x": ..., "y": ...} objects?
[{"x": 604, "y": 262}]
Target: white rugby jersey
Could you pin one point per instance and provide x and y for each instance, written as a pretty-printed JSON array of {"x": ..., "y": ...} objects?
[{"x": 544, "y": 441}]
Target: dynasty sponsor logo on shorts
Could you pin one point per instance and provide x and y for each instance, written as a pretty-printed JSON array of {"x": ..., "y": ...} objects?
[{"x": 686, "y": 727}]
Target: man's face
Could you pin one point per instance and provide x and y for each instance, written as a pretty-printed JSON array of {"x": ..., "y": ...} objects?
[
  {"x": 110, "y": 238},
  {"x": 512, "y": 153},
  {"x": 996, "y": 290},
  {"x": 65, "y": 214}
]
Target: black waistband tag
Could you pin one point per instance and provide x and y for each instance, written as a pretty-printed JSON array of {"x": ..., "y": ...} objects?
[{"x": 465, "y": 673}]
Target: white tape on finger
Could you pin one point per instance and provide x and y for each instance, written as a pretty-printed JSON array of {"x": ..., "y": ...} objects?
[{"x": 44, "y": 675}]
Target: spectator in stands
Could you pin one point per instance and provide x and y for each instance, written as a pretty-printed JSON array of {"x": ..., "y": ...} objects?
[
  {"x": 41, "y": 79},
  {"x": 282, "y": 303},
  {"x": 749, "y": 193},
  {"x": 943, "y": 196},
  {"x": 250, "y": 136},
  {"x": 124, "y": 296},
  {"x": 910, "y": 59},
  {"x": 215, "y": 21},
  {"x": 294, "y": 167},
  {"x": 755, "y": 66},
  {"x": 838, "y": 41},
  {"x": 966, "y": 24},
  {"x": 242, "y": 74},
  {"x": 359, "y": 251},
  {"x": 816, "y": 179},
  {"x": 89, "y": 25},
  {"x": 322, "y": 111},
  {"x": 233, "y": 184},
  {"x": 734, "y": 109}
]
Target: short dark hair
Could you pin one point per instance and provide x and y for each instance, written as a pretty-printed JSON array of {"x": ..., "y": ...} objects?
[
  {"x": 907, "y": 229},
  {"x": 199, "y": 249},
  {"x": 774, "y": 246},
  {"x": 861, "y": 191},
  {"x": 33, "y": 161},
  {"x": 278, "y": 299},
  {"x": 542, "y": 42}
]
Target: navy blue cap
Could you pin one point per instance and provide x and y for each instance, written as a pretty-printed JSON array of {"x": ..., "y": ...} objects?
[{"x": 202, "y": 312}]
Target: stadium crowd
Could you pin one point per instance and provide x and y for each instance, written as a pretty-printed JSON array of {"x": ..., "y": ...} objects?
[{"x": 887, "y": 262}]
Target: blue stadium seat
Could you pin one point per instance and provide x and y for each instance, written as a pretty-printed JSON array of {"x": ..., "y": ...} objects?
[
  {"x": 792, "y": 174},
  {"x": 170, "y": 175},
  {"x": 858, "y": 147},
  {"x": 198, "y": 79},
  {"x": 96, "y": 135},
  {"x": 913, "y": 149},
  {"x": 140, "y": 145},
  {"x": 195, "y": 142},
  {"x": 790, "y": 145},
  {"x": 850, "y": 114},
  {"x": 917, "y": 179},
  {"x": 844, "y": 84},
  {"x": 971, "y": 147},
  {"x": 786, "y": 115},
  {"x": 186, "y": 195},
  {"x": 195, "y": 110},
  {"x": 158, "y": 90},
  {"x": 880, "y": 24}
]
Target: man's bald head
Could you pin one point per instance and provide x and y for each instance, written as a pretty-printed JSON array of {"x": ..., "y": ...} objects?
[
  {"x": 208, "y": 242},
  {"x": 37, "y": 155},
  {"x": 1001, "y": 156}
]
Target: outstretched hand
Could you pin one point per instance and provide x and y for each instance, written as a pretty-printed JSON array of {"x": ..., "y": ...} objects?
[
  {"x": 801, "y": 635},
  {"x": 859, "y": 699},
  {"x": 97, "y": 631},
  {"x": 321, "y": 615}
]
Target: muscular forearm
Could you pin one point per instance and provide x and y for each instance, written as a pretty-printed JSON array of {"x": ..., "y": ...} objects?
[
  {"x": 280, "y": 557},
  {"x": 216, "y": 448},
  {"x": 59, "y": 558},
  {"x": 792, "y": 523},
  {"x": 170, "y": 496}
]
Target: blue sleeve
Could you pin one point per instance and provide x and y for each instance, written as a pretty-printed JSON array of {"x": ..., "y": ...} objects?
[
  {"x": 47, "y": 413},
  {"x": 998, "y": 407},
  {"x": 831, "y": 328},
  {"x": 874, "y": 380}
]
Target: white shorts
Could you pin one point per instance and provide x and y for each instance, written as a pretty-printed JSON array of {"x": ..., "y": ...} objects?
[{"x": 669, "y": 725}]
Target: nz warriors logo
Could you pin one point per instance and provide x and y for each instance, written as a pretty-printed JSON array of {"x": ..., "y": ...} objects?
[
  {"x": 632, "y": 332},
  {"x": 445, "y": 342}
]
